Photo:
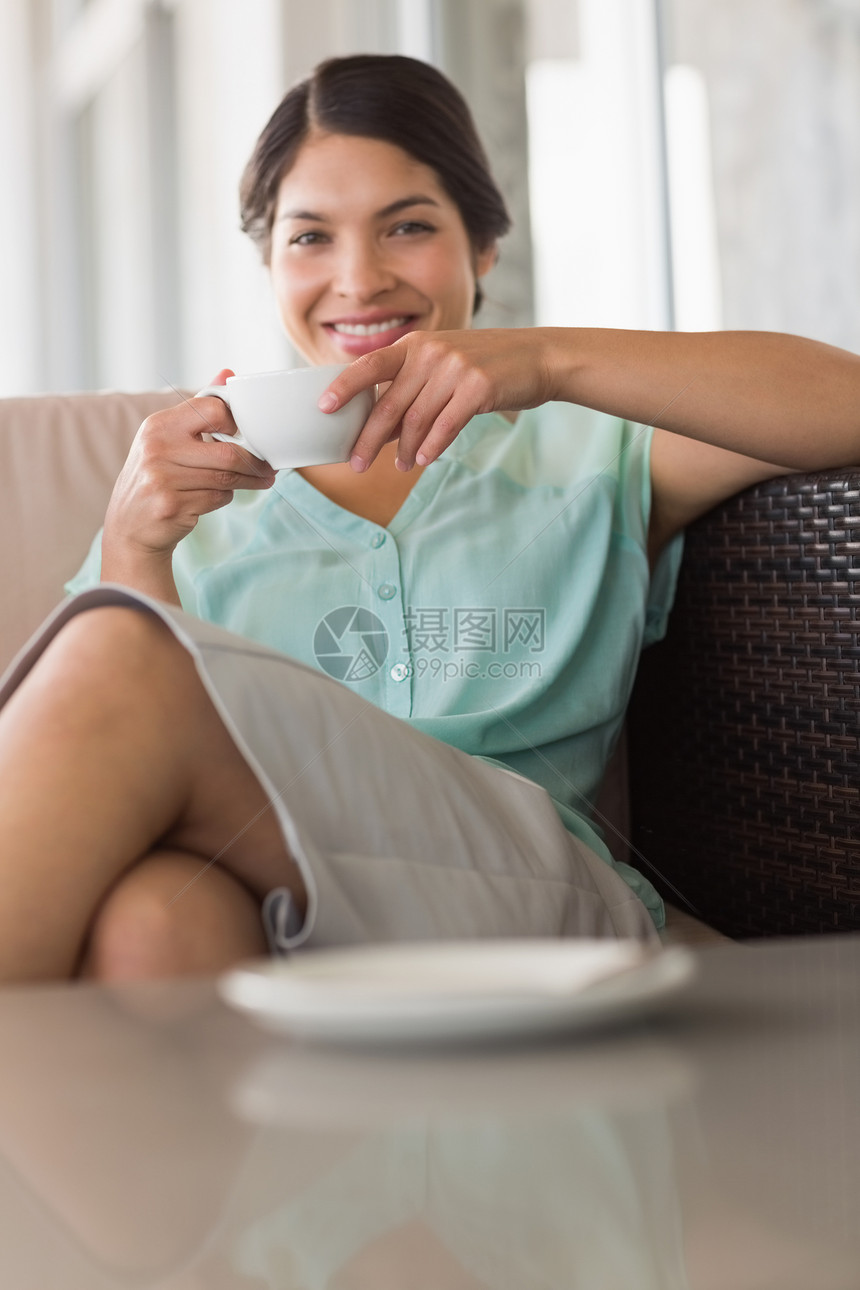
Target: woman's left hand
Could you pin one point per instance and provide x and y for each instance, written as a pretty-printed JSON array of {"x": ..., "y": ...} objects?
[{"x": 437, "y": 381}]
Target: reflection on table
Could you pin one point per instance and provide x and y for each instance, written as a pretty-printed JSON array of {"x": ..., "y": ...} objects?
[{"x": 151, "y": 1138}]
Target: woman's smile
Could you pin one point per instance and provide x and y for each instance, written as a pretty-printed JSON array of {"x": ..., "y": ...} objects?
[
  {"x": 356, "y": 267},
  {"x": 361, "y": 333}
]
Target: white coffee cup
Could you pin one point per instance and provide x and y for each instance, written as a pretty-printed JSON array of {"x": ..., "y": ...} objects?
[{"x": 279, "y": 420}]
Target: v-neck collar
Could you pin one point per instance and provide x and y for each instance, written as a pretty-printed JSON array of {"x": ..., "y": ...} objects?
[{"x": 317, "y": 506}]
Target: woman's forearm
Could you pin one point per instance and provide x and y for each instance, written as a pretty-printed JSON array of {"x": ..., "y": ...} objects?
[
  {"x": 783, "y": 399},
  {"x": 150, "y": 573}
]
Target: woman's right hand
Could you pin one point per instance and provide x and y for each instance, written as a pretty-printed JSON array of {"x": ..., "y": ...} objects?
[
  {"x": 171, "y": 477},
  {"x": 436, "y": 381}
]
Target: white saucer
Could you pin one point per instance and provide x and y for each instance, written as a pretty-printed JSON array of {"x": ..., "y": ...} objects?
[{"x": 456, "y": 990}]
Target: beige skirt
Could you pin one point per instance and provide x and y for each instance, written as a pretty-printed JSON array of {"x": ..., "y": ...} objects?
[{"x": 398, "y": 835}]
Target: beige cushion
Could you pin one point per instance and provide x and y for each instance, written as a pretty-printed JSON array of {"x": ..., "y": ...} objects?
[{"x": 59, "y": 458}]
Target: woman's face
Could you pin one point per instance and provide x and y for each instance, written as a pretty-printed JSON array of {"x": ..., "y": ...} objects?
[{"x": 367, "y": 246}]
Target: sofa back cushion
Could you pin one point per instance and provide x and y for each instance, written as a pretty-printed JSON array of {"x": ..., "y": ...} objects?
[{"x": 59, "y": 458}]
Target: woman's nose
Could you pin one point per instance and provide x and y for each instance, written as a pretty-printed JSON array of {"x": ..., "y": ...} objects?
[{"x": 363, "y": 272}]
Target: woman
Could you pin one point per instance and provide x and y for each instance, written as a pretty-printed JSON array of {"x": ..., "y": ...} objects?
[{"x": 163, "y": 779}]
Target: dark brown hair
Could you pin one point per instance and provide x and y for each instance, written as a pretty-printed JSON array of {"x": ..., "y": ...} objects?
[{"x": 378, "y": 96}]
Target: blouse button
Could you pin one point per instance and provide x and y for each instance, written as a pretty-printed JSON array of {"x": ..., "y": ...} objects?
[
  {"x": 387, "y": 591},
  {"x": 400, "y": 671},
  {"x": 377, "y": 540}
]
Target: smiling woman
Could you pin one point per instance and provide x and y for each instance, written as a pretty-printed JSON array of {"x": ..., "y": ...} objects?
[{"x": 244, "y": 726}]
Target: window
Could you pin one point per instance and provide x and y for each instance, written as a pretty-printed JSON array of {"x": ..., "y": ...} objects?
[{"x": 130, "y": 270}]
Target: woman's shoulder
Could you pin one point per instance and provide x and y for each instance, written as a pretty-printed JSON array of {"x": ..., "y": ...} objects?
[{"x": 553, "y": 445}]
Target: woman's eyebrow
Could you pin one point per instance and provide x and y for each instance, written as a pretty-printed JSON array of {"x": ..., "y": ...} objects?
[
  {"x": 297, "y": 214},
  {"x": 402, "y": 203},
  {"x": 417, "y": 199}
]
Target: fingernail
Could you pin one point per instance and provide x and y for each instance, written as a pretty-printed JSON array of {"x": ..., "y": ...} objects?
[
  {"x": 357, "y": 463},
  {"x": 400, "y": 464},
  {"x": 422, "y": 459},
  {"x": 328, "y": 402}
]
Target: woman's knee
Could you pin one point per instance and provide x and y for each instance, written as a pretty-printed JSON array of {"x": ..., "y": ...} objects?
[
  {"x": 172, "y": 915},
  {"x": 108, "y": 659},
  {"x": 115, "y": 639}
]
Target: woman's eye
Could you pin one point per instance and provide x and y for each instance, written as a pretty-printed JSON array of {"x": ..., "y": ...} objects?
[
  {"x": 310, "y": 238},
  {"x": 412, "y": 226}
]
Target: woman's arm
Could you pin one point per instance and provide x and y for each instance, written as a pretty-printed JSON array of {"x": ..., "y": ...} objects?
[
  {"x": 774, "y": 398},
  {"x": 770, "y": 396},
  {"x": 734, "y": 408},
  {"x": 149, "y": 572}
]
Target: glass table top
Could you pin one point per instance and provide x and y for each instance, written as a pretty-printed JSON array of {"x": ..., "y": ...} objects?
[{"x": 151, "y": 1137}]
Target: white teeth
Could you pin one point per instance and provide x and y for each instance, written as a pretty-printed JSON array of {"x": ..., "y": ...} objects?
[{"x": 369, "y": 329}]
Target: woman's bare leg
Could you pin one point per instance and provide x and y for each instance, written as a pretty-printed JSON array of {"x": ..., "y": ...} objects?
[
  {"x": 110, "y": 750},
  {"x": 142, "y": 930}
]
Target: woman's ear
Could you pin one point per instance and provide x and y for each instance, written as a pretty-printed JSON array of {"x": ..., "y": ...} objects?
[{"x": 486, "y": 260}]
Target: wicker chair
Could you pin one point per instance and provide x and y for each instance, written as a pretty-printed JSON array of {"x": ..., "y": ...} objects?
[{"x": 744, "y": 732}]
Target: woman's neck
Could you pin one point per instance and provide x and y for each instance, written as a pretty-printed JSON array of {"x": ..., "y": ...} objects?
[{"x": 376, "y": 494}]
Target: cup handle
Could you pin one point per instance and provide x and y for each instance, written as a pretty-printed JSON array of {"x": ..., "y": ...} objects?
[{"x": 221, "y": 392}]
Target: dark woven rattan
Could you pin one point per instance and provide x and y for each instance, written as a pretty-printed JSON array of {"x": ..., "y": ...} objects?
[{"x": 745, "y": 723}]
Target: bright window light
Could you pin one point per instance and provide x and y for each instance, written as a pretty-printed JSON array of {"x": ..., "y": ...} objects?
[{"x": 695, "y": 255}]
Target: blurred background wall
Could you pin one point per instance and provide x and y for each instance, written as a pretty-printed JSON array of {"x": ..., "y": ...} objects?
[
  {"x": 686, "y": 163},
  {"x": 781, "y": 81}
]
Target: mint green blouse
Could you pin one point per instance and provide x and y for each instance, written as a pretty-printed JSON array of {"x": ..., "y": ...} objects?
[{"x": 502, "y": 610}]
